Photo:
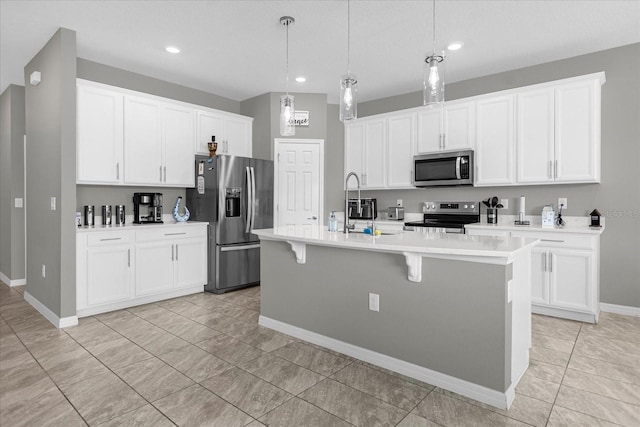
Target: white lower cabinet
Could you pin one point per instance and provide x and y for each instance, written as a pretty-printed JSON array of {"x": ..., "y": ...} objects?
[
  {"x": 564, "y": 272},
  {"x": 126, "y": 267}
]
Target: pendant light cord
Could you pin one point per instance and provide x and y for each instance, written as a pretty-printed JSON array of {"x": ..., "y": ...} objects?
[
  {"x": 287, "y": 58},
  {"x": 348, "y": 38},
  {"x": 434, "y": 27}
]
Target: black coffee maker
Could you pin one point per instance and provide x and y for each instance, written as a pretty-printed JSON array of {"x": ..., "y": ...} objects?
[{"x": 147, "y": 208}]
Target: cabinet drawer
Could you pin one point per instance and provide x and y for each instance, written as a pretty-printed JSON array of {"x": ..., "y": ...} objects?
[
  {"x": 558, "y": 240},
  {"x": 103, "y": 238},
  {"x": 170, "y": 234}
]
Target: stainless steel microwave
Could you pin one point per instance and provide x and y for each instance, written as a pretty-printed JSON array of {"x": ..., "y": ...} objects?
[{"x": 445, "y": 168}]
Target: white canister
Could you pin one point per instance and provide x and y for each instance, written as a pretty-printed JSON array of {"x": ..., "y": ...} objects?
[{"x": 548, "y": 216}]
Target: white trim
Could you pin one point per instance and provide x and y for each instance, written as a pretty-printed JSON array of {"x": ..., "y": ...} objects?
[
  {"x": 58, "y": 322},
  {"x": 12, "y": 283},
  {"x": 103, "y": 308},
  {"x": 320, "y": 143},
  {"x": 565, "y": 313},
  {"x": 620, "y": 309},
  {"x": 477, "y": 392}
]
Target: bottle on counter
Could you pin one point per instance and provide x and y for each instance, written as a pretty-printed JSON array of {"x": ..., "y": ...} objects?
[{"x": 333, "y": 222}]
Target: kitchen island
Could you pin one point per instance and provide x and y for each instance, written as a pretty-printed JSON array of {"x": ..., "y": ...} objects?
[{"x": 450, "y": 310}]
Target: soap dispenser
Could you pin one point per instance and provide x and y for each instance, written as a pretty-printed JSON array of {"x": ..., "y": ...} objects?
[{"x": 333, "y": 222}]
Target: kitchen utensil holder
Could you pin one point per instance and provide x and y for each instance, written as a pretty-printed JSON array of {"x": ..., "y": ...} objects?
[{"x": 492, "y": 215}]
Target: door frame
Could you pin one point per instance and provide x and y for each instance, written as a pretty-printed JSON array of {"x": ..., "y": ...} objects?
[{"x": 276, "y": 184}]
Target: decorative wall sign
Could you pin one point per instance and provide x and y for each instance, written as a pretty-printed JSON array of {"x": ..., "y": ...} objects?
[{"x": 301, "y": 118}]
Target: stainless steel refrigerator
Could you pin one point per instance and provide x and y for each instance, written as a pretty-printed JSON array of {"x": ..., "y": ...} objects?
[{"x": 235, "y": 195}]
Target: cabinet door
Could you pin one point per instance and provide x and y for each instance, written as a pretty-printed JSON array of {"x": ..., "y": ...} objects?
[
  {"x": 535, "y": 137},
  {"x": 430, "y": 132},
  {"x": 100, "y": 133},
  {"x": 577, "y": 132},
  {"x": 400, "y": 150},
  {"x": 495, "y": 141},
  {"x": 238, "y": 139},
  {"x": 459, "y": 126},
  {"x": 208, "y": 125},
  {"x": 570, "y": 279},
  {"x": 142, "y": 141},
  {"x": 354, "y": 149},
  {"x": 539, "y": 282},
  {"x": 178, "y": 137},
  {"x": 154, "y": 267},
  {"x": 374, "y": 159},
  {"x": 190, "y": 262},
  {"x": 108, "y": 274}
]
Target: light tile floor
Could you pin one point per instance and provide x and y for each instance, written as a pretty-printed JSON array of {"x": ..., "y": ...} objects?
[{"x": 203, "y": 360}]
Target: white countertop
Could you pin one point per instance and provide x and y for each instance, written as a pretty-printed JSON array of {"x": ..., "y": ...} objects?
[
  {"x": 574, "y": 224},
  {"x": 424, "y": 244},
  {"x": 132, "y": 226}
]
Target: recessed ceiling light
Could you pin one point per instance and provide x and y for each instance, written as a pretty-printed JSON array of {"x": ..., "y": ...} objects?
[
  {"x": 172, "y": 49},
  {"x": 455, "y": 45},
  {"x": 301, "y": 79}
]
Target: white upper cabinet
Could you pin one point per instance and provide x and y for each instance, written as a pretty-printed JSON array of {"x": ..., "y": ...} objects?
[
  {"x": 178, "y": 129},
  {"x": 99, "y": 137},
  {"x": 449, "y": 128},
  {"x": 365, "y": 148},
  {"x": 233, "y": 133},
  {"x": 400, "y": 150},
  {"x": 559, "y": 133},
  {"x": 495, "y": 141},
  {"x": 535, "y": 139},
  {"x": 577, "y": 131},
  {"x": 142, "y": 141}
]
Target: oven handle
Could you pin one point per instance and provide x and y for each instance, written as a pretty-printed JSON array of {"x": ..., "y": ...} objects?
[{"x": 458, "y": 161}]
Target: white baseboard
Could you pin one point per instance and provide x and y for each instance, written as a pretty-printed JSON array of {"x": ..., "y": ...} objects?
[
  {"x": 565, "y": 314},
  {"x": 477, "y": 392},
  {"x": 620, "y": 309},
  {"x": 12, "y": 283},
  {"x": 58, "y": 322}
]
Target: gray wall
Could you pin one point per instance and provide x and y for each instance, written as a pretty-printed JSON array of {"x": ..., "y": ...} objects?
[
  {"x": 12, "y": 219},
  {"x": 259, "y": 108},
  {"x": 51, "y": 156},
  {"x": 617, "y": 195},
  {"x": 444, "y": 323}
]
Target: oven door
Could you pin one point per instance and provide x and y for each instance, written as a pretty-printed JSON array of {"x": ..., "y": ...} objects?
[{"x": 453, "y": 168}]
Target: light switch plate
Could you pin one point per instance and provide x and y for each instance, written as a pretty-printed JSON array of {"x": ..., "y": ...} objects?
[
  {"x": 18, "y": 202},
  {"x": 504, "y": 203},
  {"x": 374, "y": 302},
  {"x": 53, "y": 203}
]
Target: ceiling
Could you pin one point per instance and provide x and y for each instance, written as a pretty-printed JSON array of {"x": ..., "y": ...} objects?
[{"x": 236, "y": 49}]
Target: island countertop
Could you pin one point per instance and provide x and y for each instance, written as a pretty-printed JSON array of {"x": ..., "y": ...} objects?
[{"x": 403, "y": 241}]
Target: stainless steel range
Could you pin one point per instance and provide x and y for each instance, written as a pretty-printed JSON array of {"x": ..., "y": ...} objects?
[{"x": 446, "y": 217}]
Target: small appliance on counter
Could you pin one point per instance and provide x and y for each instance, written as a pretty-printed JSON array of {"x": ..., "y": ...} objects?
[
  {"x": 147, "y": 208},
  {"x": 120, "y": 215},
  {"x": 368, "y": 209},
  {"x": 106, "y": 214},
  {"x": 89, "y": 215},
  {"x": 395, "y": 213}
]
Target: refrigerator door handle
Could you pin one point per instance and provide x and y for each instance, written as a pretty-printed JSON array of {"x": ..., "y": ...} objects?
[
  {"x": 253, "y": 197},
  {"x": 249, "y": 200}
]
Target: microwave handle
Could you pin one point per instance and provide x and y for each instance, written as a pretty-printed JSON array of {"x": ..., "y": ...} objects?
[{"x": 458, "y": 161}]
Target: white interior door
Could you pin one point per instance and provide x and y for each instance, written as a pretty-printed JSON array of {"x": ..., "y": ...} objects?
[{"x": 299, "y": 181}]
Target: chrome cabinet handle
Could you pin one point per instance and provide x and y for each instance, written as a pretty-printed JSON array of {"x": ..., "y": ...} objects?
[
  {"x": 177, "y": 246},
  {"x": 110, "y": 238},
  {"x": 172, "y": 258},
  {"x": 550, "y": 263},
  {"x": 549, "y": 168},
  {"x": 160, "y": 169},
  {"x": 128, "y": 257},
  {"x": 118, "y": 170},
  {"x": 175, "y": 234},
  {"x": 165, "y": 173},
  {"x": 544, "y": 262},
  {"x": 555, "y": 170},
  {"x": 552, "y": 240}
]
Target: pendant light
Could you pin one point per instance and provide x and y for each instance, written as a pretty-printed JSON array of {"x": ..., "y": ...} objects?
[
  {"x": 433, "y": 83},
  {"x": 287, "y": 108},
  {"x": 349, "y": 83}
]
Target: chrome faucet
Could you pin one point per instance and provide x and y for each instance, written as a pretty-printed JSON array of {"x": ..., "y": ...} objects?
[{"x": 348, "y": 226}]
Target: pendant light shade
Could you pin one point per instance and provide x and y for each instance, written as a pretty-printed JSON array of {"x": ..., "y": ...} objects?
[
  {"x": 287, "y": 105},
  {"x": 287, "y": 110},
  {"x": 348, "y": 98},
  {"x": 433, "y": 82},
  {"x": 349, "y": 83}
]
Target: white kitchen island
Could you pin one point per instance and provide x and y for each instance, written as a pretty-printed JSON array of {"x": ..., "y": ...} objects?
[{"x": 453, "y": 310}]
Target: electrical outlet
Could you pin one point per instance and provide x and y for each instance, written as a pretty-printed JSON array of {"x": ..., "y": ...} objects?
[
  {"x": 44, "y": 271},
  {"x": 504, "y": 203},
  {"x": 399, "y": 203},
  {"x": 374, "y": 302},
  {"x": 53, "y": 203},
  {"x": 562, "y": 201}
]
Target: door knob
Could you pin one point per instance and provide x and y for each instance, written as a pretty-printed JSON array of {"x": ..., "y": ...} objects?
[{"x": 313, "y": 218}]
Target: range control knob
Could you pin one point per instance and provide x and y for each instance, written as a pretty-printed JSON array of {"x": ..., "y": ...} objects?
[
  {"x": 473, "y": 206},
  {"x": 466, "y": 206},
  {"x": 433, "y": 206}
]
